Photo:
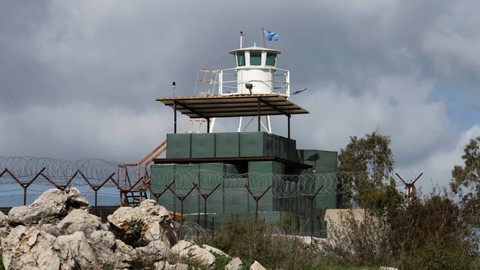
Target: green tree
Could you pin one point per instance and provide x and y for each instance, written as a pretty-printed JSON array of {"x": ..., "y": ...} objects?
[
  {"x": 468, "y": 177},
  {"x": 364, "y": 167},
  {"x": 469, "y": 174}
]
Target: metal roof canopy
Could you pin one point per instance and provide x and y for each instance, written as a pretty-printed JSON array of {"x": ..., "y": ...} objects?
[{"x": 233, "y": 106}]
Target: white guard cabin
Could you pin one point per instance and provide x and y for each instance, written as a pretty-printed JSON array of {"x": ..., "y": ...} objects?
[{"x": 255, "y": 72}]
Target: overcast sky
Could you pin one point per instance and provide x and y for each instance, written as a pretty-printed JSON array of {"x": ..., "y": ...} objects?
[{"x": 78, "y": 79}]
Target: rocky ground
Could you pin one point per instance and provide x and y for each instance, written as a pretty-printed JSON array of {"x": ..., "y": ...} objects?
[{"x": 57, "y": 232}]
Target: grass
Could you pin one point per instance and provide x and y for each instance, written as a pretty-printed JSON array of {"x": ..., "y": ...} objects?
[{"x": 1, "y": 260}]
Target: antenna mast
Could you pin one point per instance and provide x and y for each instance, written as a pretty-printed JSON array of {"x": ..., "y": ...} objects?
[{"x": 241, "y": 39}]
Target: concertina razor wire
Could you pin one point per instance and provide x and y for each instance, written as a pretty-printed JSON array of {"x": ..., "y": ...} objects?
[{"x": 94, "y": 172}]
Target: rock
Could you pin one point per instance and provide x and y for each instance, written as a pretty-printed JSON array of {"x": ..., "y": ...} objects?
[
  {"x": 122, "y": 257},
  {"x": 181, "y": 245},
  {"x": 50, "y": 229},
  {"x": 57, "y": 232},
  {"x": 4, "y": 228},
  {"x": 165, "y": 265},
  {"x": 188, "y": 251},
  {"x": 75, "y": 252},
  {"x": 216, "y": 251},
  {"x": 387, "y": 268},
  {"x": 79, "y": 220},
  {"x": 105, "y": 247},
  {"x": 162, "y": 265},
  {"x": 30, "y": 248},
  {"x": 234, "y": 264},
  {"x": 154, "y": 251},
  {"x": 122, "y": 247},
  {"x": 50, "y": 207},
  {"x": 3, "y": 219},
  {"x": 179, "y": 266},
  {"x": 257, "y": 266},
  {"x": 140, "y": 225}
]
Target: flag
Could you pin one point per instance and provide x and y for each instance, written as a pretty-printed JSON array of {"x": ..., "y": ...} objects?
[{"x": 270, "y": 36}]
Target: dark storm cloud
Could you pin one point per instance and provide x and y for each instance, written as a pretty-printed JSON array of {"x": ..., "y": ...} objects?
[{"x": 22, "y": 76}]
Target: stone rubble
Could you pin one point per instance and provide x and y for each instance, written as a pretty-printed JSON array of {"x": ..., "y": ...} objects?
[{"x": 57, "y": 232}]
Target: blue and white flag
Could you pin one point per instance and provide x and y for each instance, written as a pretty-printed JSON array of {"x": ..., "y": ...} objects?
[{"x": 270, "y": 36}]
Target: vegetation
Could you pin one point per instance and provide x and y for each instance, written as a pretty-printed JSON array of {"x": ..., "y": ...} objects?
[
  {"x": 372, "y": 161},
  {"x": 252, "y": 240},
  {"x": 430, "y": 232},
  {"x": 466, "y": 181},
  {"x": 468, "y": 176}
]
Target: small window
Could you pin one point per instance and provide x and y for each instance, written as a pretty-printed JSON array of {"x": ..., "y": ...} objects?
[
  {"x": 241, "y": 59},
  {"x": 255, "y": 58},
  {"x": 271, "y": 59}
]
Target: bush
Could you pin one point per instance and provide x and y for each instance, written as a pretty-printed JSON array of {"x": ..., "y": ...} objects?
[
  {"x": 436, "y": 254},
  {"x": 253, "y": 240},
  {"x": 429, "y": 234},
  {"x": 432, "y": 233}
]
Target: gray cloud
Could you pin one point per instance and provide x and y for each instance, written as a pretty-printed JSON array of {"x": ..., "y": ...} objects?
[{"x": 79, "y": 78}]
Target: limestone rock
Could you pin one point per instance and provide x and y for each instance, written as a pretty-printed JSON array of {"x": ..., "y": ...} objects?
[
  {"x": 75, "y": 251},
  {"x": 3, "y": 219},
  {"x": 122, "y": 257},
  {"x": 257, "y": 266},
  {"x": 156, "y": 250},
  {"x": 122, "y": 247},
  {"x": 140, "y": 225},
  {"x": 57, "y": 232},
  {"x": 181, "y": 245},
  {"x": 79, "y": 220},
  {"x": 29, "y": 248},
  {"x": 50, "y": 207},
  {"x": 50, "y": 229},
  {"x": 105, "y": 247},
  {"x": 188, "y": 251},
  {"x": 165, "y": 265},
  {"x": 4, "y": 228},
  {"x": 216, "y": 251},
  {"x": 234, "y": 264}
]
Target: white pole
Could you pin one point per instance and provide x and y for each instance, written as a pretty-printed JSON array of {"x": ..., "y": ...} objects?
[
  {"x": 212, "y": 124},
  {"x": 269, "y": 124},
  {"x": 241, "y": 39},
  {"x": 240, "y": 125}
]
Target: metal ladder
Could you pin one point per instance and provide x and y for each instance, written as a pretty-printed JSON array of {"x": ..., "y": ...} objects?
[{"x": 134, "y": 191}]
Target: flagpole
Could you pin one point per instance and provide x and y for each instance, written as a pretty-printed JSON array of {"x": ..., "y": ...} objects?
[{"x": 263, "y": 34}]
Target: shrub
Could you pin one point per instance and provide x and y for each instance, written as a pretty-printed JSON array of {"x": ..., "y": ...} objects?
[{"x": 252, "y": 240}]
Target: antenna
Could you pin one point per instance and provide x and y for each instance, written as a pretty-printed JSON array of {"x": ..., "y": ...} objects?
[
  {"x": 409, "y": 186},
  {"x": 241, "y": 39},
  {"x": 299, "y": 91},
  {"x": 174, "y": 85}
]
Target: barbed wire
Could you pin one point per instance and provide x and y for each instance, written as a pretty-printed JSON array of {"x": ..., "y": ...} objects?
[
  {"x": 277, "y": 185},
  {"x": 60, "y": 171},
  {"x": 97, "y": 173}
]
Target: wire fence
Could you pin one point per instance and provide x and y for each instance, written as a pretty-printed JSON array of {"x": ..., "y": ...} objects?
[
  {"x": 29, "y": 176},
  {"x": 195, "y": 194}
]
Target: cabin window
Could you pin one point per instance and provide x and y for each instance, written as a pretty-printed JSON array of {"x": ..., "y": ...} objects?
[
  {"x": 271, "y": 59},
  {"x": 241, "y": 59},
  {"x": 255, "y": 58}
]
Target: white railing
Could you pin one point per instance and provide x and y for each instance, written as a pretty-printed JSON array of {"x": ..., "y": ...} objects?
[{"x": 225, "y": 82}]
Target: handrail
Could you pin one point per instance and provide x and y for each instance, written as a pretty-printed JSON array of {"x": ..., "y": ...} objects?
[{"x": 142, "y": 165}]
